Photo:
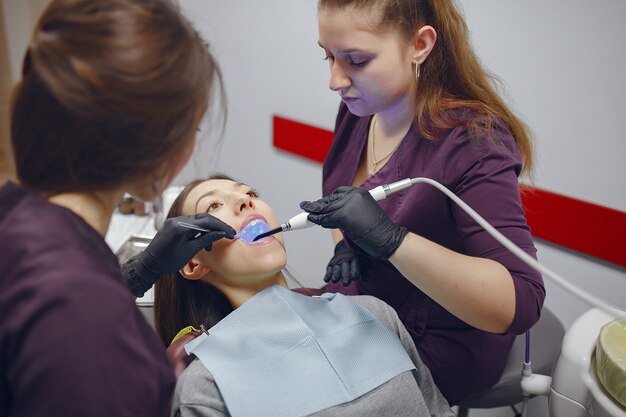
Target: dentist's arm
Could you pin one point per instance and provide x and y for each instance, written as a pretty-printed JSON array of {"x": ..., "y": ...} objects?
[{"x": 478, "y": 291}]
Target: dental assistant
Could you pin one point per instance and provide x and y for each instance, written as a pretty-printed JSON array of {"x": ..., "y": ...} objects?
[
  {"x": 417, "y": 103},
  {"x": 111, "y": 96}
]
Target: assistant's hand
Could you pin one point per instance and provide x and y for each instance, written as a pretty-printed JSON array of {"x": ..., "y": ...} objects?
[
  {"x": 173, "y": 246},
  {"x": 361, "y": 219},
  {"x": 344, "y": 266}
]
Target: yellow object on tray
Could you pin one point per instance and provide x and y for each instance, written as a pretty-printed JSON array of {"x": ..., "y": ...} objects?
[{"x": 610, "y": 360}]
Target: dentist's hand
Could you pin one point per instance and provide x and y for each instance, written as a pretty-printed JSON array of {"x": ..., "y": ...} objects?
[
  {"x": 361, "y": 219},
  {"x": 173, "y": 246},
  {"x": 344, "y": 266}
]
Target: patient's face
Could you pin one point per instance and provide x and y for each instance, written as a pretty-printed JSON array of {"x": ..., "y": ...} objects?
[{"x": 235, "y": 262}]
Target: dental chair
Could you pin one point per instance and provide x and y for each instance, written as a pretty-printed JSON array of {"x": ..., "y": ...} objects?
[{"x": 545, "y": 344}]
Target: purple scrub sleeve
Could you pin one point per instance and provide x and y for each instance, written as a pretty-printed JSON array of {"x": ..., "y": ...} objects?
[
  {"x": 72, "y": 342},
  {"x": 483, "y": 172}
]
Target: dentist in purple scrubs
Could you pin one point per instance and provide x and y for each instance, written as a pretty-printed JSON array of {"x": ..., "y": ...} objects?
[
  {"x": 111, "y": 95},
  {"x": 417, "y": 103}
]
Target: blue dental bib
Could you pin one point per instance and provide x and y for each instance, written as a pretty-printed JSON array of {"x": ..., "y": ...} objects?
[{"x": 286, "y": 354}]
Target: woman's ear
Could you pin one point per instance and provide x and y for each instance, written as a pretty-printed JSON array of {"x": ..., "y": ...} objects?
[
  {"x": 195, "y": 269},
  {"x": 423, "y": 43}
]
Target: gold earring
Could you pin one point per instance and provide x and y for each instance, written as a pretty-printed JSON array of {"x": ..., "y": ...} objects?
[{"x": 417, "y": 71}]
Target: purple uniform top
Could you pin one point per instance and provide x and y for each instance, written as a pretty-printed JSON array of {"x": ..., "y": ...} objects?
[
  {"x": 72, "y": 341},
  {"x": 483, "y": 173}
]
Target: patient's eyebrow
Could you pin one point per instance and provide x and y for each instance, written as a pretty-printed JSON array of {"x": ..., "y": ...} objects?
[
  {"x": 207, "y": 194},
  {"x": 213, "y": 192}
]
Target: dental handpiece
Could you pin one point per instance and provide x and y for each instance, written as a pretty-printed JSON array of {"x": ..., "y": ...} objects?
[{"x": 301, "y": 221}]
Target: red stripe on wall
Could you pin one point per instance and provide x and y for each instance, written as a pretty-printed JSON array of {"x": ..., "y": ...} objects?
[
  {"x": 575, "y": 224},
  {"x": 585, "y": 227},
  {"x": 302, "y": 139}
]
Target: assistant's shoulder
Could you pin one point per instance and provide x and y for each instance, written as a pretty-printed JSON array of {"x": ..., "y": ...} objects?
[
  {"x": 470, "y": 153},
  {"x": 51, "y": 245},
  {"x": 52, "y": 237},
  {"x": 473, "y": 142}
]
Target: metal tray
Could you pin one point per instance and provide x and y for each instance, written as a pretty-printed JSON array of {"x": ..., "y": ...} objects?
[{"x": 134, "y": 244}]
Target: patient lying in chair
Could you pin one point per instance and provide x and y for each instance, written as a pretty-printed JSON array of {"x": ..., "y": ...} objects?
[{"x": 270, "y": 351}]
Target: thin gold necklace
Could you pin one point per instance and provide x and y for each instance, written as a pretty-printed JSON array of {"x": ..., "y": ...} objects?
[{"x": 374, "y": 161}]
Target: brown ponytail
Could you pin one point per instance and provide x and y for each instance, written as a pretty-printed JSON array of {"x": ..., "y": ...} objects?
[{"x": 111, "y": 91}]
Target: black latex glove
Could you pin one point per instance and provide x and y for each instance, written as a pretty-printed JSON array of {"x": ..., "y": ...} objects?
[
  {"x": 173, "y": 246},
  {"x": 361, "y": 219},
  {"x": 344, "y": 266}
]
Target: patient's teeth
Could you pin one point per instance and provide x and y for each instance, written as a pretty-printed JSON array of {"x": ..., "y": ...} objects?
[{"x": 253, "y": 229}]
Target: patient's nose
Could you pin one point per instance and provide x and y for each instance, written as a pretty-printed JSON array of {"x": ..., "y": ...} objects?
[{"x": 245, "y": 202}]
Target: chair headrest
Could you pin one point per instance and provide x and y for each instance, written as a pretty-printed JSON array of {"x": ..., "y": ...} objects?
[{"x": 177, "y": 355}]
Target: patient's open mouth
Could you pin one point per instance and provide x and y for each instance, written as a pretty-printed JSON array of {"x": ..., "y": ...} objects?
[{"x": 253, "y": 229}]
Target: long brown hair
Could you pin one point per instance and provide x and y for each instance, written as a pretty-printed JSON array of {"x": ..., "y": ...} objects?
[
  {"x": 112, "y": 91},
  {"x": 179, "y": 302},
  {"x": 452, "y": 76}
]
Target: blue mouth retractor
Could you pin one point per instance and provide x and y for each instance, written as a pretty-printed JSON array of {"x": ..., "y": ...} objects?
[{"x": 252, "y": 230}]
